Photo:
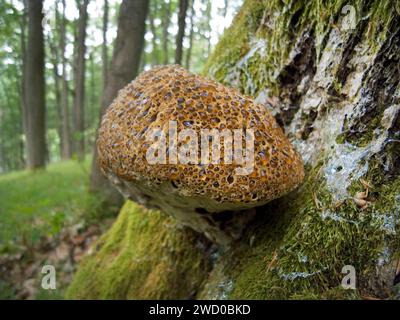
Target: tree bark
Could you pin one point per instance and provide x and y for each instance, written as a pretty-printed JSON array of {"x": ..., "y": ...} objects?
[
  {"x": 66, "y": 132},
  {"x": 79, "y": 97},
  {"x": 183, "y": 5},
  {"x": 124, "y": 67},
  {"x": 35, "y": 88}
]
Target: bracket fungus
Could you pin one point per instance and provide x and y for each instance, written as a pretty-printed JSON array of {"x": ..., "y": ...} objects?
[{"x": 160, "y": 143}]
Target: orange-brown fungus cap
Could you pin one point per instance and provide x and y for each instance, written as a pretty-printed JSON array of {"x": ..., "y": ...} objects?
[{"x": 170, "y": 93}]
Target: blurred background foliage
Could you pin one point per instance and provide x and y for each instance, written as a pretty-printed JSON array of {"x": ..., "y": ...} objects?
[{"x": 205, "y": 21}]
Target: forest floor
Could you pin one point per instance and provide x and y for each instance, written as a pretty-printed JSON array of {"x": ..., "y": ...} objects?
[{"x": 47, "y": 217}]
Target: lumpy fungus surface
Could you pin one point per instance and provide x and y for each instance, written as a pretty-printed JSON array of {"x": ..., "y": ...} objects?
[{"x": 194, "y": 192}]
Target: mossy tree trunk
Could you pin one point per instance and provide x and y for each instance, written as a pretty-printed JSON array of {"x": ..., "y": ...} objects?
[{"x": 330, "y": 74}]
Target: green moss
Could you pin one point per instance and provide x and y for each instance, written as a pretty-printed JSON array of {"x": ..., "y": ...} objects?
[
  {"x": 234, "y": 43},
  {"x": 277, "y": 23},
  {"x": 340, "y": 138},
  {"x": 361, "y": 139},
  {"x": 302, "y": 242},
  {"x": 143, "y": 256}
]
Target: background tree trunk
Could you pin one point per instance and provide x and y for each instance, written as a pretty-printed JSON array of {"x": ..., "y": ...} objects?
[
  {"x": 124, "y": 67},
  {"x": 66, "y": 133},
  {"x": 207, "y": 29},
  {"x": 191, "y": 35},
  {"x": 79, "y": 97},
  {"x": 183, "y": 5},
  {"x": 104, "y": 46},
  {"x": 24, "y": 113},
  {"x": 57, "y": 92},
  {"x": 165, "y": 25},
  {"x": 225, "y": 9},
  {"x": 55, "y": 61},
  {"x": 35, "y": 88},
  {"x": 153, "y": 29}
]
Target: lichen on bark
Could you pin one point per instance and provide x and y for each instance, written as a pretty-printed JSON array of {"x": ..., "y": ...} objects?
[{"x": 335, "y": 90}]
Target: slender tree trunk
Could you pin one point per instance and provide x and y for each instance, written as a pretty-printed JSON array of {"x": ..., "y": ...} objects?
[
  {"x": 225, "y": 10},
  {"x": 79, "y": 97},
  {"x": 55, "y": 60},
  {"x": 191, "y": 35},
  {"x": 183, "y": 5},
  {"x": 104, "y": 47},
  {"x": 142, "y": 63},
  {"x": 208, "y": 19},
  {"x": 92, "y": 98},
  {"x": 165, "y": 25},
  {"x": 154, "y": 51},
  {"x": 23, "y": 75},
  {"x": 124, "y": 67},
  {"x": 65, "y": 132},
  {"x": 34, "y": 88},
  {"x": 9, "y": 159}
]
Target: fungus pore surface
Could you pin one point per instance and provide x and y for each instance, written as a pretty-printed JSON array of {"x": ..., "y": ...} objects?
[{"x": 209, "y": 197}]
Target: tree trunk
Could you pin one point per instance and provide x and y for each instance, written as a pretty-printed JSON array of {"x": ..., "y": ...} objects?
[
  {"x": 332, "y": 81},
  {"x": 55, "y": 60},
  {"x": 191, "y": 35},
  {"x": 79, "y": 97},
  {"x": 154, "y": 49},
  {"x": 165, "y": 25},
  {"x": 66, "y": 133},
  {"x": 124, "y": 67},
  {"x": 23, "y": 76},
  {"x": 35, "y": 130},
  {"x": 104, "y": 46},
  {"x": 225, "y": 10},
  {"x": 92, "y": 89},
  {"x": 208, "y": 26},
  {"x": 183, "y": 5}
]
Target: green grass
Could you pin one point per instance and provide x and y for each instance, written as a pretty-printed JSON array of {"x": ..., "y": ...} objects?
[{"x": 40, "y": 203}]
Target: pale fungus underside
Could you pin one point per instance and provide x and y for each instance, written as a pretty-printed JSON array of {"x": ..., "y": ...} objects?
[{"x": 205, "y": 196}]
